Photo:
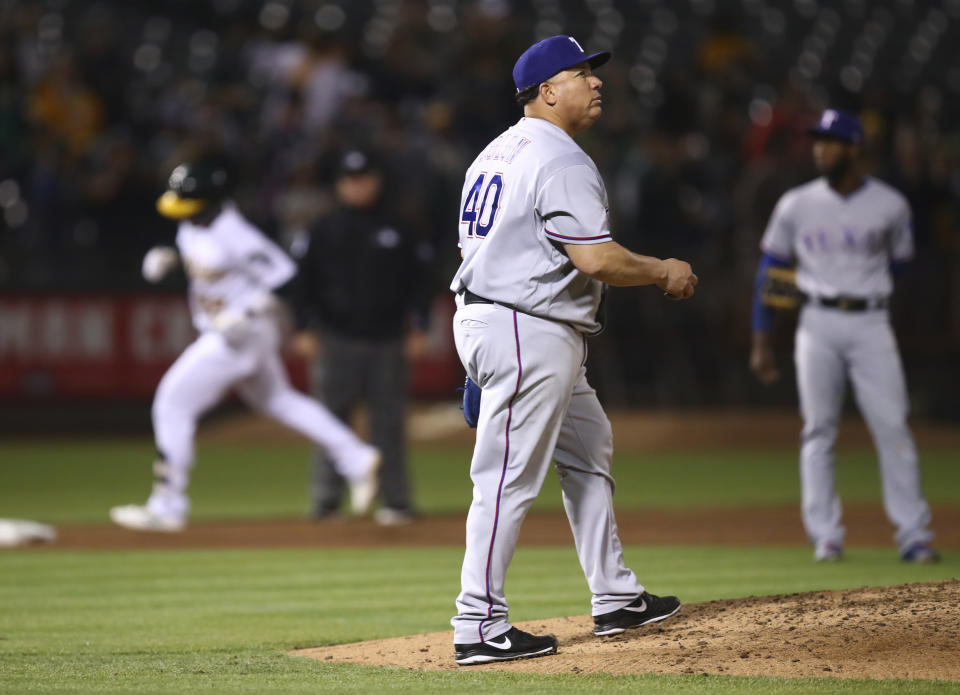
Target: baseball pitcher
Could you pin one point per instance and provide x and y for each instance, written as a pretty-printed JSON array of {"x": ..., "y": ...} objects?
[{"x": 537, "y": 256}]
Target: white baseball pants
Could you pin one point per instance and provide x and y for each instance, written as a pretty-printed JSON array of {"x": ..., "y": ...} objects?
[
  {"x": 536, "y": 407},
  {"x": 831, "y": 346},
  {"x": 201, "y": 377}
]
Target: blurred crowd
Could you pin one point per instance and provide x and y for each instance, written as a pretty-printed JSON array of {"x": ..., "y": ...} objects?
[{"x": 706, "y": 105}]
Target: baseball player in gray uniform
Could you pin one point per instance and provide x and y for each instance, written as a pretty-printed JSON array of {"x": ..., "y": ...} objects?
[
  {"x": 847, "y": 234},
  {"x": 537, "y": 254},
  {"x": 232, "y": 268}
]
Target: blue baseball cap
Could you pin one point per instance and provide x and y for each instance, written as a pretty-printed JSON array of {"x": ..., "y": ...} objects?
[
  {"x": 546, "y": 58},
  {"x": 838, "y": 125}
]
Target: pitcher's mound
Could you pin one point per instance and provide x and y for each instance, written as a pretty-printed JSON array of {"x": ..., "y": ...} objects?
[{"x": 910, "y": 631}]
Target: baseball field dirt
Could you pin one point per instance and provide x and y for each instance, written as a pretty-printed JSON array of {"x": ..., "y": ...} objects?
[
  {"x": 905, "y": 632},
  {"x": 746, "y": 526},
  {"x": 908, "y": 632}
]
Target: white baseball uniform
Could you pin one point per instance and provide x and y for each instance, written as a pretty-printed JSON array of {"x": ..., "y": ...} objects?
[
  {"x": 232, "y": 267},
  {"x": 528, "y": 192},
  {"x": 843, "y": 247}
]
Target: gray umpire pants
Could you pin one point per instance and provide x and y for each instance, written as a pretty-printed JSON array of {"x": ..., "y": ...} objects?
[
  {"x": 537, "y": 407},
  {"x": 832, "y": 346},
  {"x": 351, "y": 371}
]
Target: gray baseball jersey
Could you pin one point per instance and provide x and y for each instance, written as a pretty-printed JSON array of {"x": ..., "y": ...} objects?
[
  {"x": 531, "y": 190},
  {"x": 843, "y": 246}
]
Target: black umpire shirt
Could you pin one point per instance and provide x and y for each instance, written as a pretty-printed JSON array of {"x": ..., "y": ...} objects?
[{"x": 362, "y": 276}]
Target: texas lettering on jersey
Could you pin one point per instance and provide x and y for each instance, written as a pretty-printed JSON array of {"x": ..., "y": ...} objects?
[
  {"x": 842, "y": 245},
  {"x": 844, "y": 239}
]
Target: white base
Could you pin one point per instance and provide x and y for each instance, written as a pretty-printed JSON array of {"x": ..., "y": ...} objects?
[{"x": 14, "y": 532}]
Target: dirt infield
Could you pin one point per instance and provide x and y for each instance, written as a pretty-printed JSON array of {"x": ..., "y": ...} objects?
[
  {"x": 908, "y": 632},
  {"x": 772, "y": 526},
  {"x": 634, "y": 431}
]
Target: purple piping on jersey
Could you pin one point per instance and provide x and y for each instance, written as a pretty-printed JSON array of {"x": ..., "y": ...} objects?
[
  {"x": 578, "y": 238},
  {"x": 503, "y": 475}
]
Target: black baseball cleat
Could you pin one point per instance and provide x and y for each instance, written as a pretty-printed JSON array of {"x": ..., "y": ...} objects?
[
  {"x": 646, "y": 609},
  {"x": 920, "y": 554},
  {"x": 512, "y": 644}
]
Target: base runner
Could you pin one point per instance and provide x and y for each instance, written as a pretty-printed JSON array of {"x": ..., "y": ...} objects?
[{"x": 232, "y": 269}]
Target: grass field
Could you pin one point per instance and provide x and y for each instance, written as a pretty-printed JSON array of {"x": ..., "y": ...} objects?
[
  {"x": 69, "y": 481},
  {"x": 221, "y": 622}
]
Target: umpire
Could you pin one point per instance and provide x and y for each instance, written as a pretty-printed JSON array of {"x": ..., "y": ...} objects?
[{"x": 363, "y": 286}]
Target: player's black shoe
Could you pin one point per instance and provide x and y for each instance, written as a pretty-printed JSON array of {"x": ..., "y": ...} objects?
[
  {"x": 920, "y": 554},
  {"x": 646, "y": 609},
  {"x": 513, "y": 644}
]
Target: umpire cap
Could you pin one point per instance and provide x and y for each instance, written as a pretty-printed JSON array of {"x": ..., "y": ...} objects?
[
  {"x": 357, "y": 161},
  {"x": 195, "y": 186}
]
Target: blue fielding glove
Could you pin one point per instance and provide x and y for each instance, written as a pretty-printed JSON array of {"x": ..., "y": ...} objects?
[{"x": 471, "y": 402}]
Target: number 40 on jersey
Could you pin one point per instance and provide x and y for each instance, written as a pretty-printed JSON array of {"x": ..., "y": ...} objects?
[{"x": 480, "y": 206}]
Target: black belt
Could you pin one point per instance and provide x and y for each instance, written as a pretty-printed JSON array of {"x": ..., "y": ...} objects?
[
  {"x": 471, "y": 298},
  {"x": 849, "y": 303}
]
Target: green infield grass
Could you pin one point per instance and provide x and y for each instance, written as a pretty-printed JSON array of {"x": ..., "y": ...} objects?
[
  {"x": 222, "y": 622},
  {"x": 66, "y": 481}
]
